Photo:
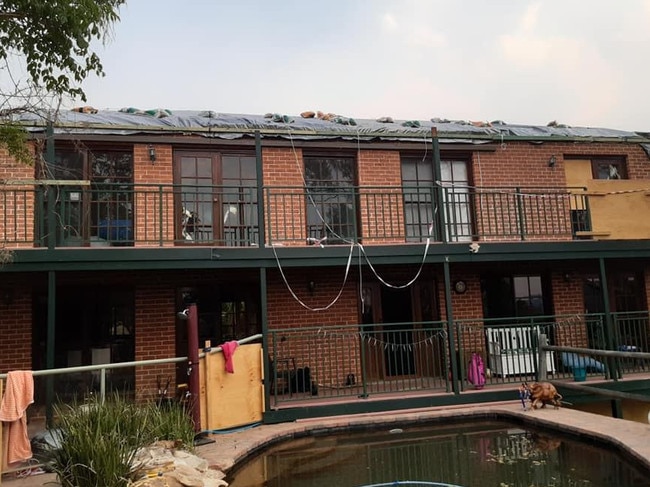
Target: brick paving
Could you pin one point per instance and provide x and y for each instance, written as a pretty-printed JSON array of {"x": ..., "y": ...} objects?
[{"x": 633, "y": 438}]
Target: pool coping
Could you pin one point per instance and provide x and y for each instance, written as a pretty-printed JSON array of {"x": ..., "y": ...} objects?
[{"x": 630, "y": 438}]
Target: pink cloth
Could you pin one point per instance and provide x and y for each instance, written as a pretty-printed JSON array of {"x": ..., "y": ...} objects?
[
  {"x": 228, "y": 351},
  {"x": 19, "y": 394}
]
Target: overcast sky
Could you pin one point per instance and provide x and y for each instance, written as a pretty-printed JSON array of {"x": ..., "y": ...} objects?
[{"x": 579, "y": 62}]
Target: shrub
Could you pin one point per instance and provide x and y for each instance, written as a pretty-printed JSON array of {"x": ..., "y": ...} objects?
[{"x": 97, "y": 441}]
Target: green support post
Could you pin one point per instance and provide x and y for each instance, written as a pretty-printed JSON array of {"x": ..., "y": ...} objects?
[
  {"x": 49, "y": 347},
  {"x": 612, "y": 362},
  {"x": 453, "y": 354},
  {"x": 260, "y": 191},
  {"x": 440, "y": 200},
  {"x": 520, "y": 214}
]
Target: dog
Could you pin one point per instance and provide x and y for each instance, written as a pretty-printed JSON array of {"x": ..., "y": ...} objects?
[{"x": 540, "y": 394}]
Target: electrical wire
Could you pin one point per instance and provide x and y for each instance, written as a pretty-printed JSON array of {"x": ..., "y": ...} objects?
[{"x": 306, "y": 306}]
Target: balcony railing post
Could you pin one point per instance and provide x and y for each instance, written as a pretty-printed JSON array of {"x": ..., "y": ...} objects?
[
  {"x": 520, "y": 213},
  {"x": 364, "y": 382},
  {"x": 161, "y": 202},
  {"x": 260, "y": 191},
  {"x": 267, "y": 208},
  {"x": 587, "y": 211}
]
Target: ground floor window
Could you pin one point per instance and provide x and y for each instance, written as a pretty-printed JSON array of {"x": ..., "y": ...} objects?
[
  {"x": 513, "y": 296},
  {"x": 94, "y": 325}
]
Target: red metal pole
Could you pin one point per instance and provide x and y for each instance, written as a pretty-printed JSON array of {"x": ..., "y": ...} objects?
[{"x": 193, "y": 364}]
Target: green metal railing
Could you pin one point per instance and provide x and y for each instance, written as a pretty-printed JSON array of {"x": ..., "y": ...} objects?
[
  {"x": 362, "y": 360},
  {"x": 116, "y": 214},
  {"x": 524, "y": 213},
  {"x": 357, "y": 360},
  {"x": 410, "y": 214}
]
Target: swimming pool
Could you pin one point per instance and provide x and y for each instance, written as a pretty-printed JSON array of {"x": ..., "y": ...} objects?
[{"x": 475, "y": 453}]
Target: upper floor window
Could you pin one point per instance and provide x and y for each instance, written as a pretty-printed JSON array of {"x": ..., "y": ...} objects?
[
  {"x": 331, "y": 200},
  {"x": 218, "y": 197},
  {"x": 609, "y": 168},
  {"x": 99, "y": 214},
  {"x": 419, "y": 197},
  {"x": 420, "y": 203}
]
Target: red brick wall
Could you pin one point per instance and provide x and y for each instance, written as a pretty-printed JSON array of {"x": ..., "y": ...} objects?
[
  {"x": 155, "y": 335},
  {"x": 568, "y": 299},
  {"x": 381, "y": 209},
  {"x": 16, "y": 315},
  {"x": 466, "y": 306},
  {"x": 148, "y": 201},
  {"x": 525, "y": 165},
  {"x": 285, "y": 217},
  {"x": 15, "y": 326},
  {"x": 17, "y": 201}
]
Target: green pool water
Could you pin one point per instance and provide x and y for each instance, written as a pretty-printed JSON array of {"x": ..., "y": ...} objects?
[{"x": 481, "y": 454}]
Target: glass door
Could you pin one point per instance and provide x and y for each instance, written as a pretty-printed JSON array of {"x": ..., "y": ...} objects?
[{"x": 456, "y": 199}]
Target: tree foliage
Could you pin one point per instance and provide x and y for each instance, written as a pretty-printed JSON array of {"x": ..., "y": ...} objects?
[{"x": 54, "y": 37}]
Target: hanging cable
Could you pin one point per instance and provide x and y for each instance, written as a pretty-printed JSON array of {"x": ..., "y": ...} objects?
[
  {"x": 417, "y": 274},
  {"x": 286, "y": 282}
]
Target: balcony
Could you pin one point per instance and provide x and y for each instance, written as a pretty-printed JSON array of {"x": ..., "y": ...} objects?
[{"x": 158, "y": 215}]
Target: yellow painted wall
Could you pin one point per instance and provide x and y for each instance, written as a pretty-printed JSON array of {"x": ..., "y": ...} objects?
[
  {"x": 619, "y": 208},
  {"x": 623, "y": 215}
]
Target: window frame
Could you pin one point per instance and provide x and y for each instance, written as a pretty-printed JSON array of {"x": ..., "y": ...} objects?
[
  {"x": 220, "y": 222},
  {"x": 328, "y": 234},
  {"x": 618, "y": 162}
]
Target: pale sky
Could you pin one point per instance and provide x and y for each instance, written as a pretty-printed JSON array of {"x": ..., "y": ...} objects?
[{"x": 579, "y": 62}]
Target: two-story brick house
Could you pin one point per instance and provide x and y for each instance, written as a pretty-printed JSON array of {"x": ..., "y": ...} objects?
[{"x": 376, "y": 254}]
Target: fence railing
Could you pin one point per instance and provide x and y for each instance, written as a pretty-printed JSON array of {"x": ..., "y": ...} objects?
[
  {"x": 357, "y": 360},
  {"x": 400, "y": 214},
  {"x": 122, "y": 214},
  {"x": 117, "y": 214},
  {"x": 125, "y": 214},
  {"x": 362, "y": 359}
]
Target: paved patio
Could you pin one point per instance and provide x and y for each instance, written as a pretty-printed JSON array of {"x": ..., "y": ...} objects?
[{"x": 631, "y": 437}]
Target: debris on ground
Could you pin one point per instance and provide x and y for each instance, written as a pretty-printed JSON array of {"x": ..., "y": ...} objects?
[{"x": 162, "y": 465}]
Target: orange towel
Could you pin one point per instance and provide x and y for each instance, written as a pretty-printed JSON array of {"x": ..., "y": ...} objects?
[{"x": 19, "y": 394}]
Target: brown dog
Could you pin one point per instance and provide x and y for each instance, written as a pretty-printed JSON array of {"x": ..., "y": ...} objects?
[{"x": 541, "y": 393}]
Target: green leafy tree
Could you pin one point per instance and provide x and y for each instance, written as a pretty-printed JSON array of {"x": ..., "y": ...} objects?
[
  {"x": 54, "y": 37},
  {"x": 51, "y": 40}
]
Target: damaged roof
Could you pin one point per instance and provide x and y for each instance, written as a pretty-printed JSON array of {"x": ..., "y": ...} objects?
[{"x": 309, "y": 125}]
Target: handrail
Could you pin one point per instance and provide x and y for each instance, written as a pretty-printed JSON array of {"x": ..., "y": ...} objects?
[
  {"x": 120, "y": 365},
  {"x": 543, "y": 347}
]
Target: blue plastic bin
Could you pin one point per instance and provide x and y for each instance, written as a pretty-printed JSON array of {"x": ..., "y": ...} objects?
[
  {"x": 579, "y": 374},
  {"x": 115, "y": 229}
]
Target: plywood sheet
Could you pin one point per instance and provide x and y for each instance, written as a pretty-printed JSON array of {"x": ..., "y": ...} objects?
[{"x": 236, "y": 399}]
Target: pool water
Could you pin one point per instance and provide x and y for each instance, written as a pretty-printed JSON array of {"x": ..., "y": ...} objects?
[{"x": 476, "y": 454}]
